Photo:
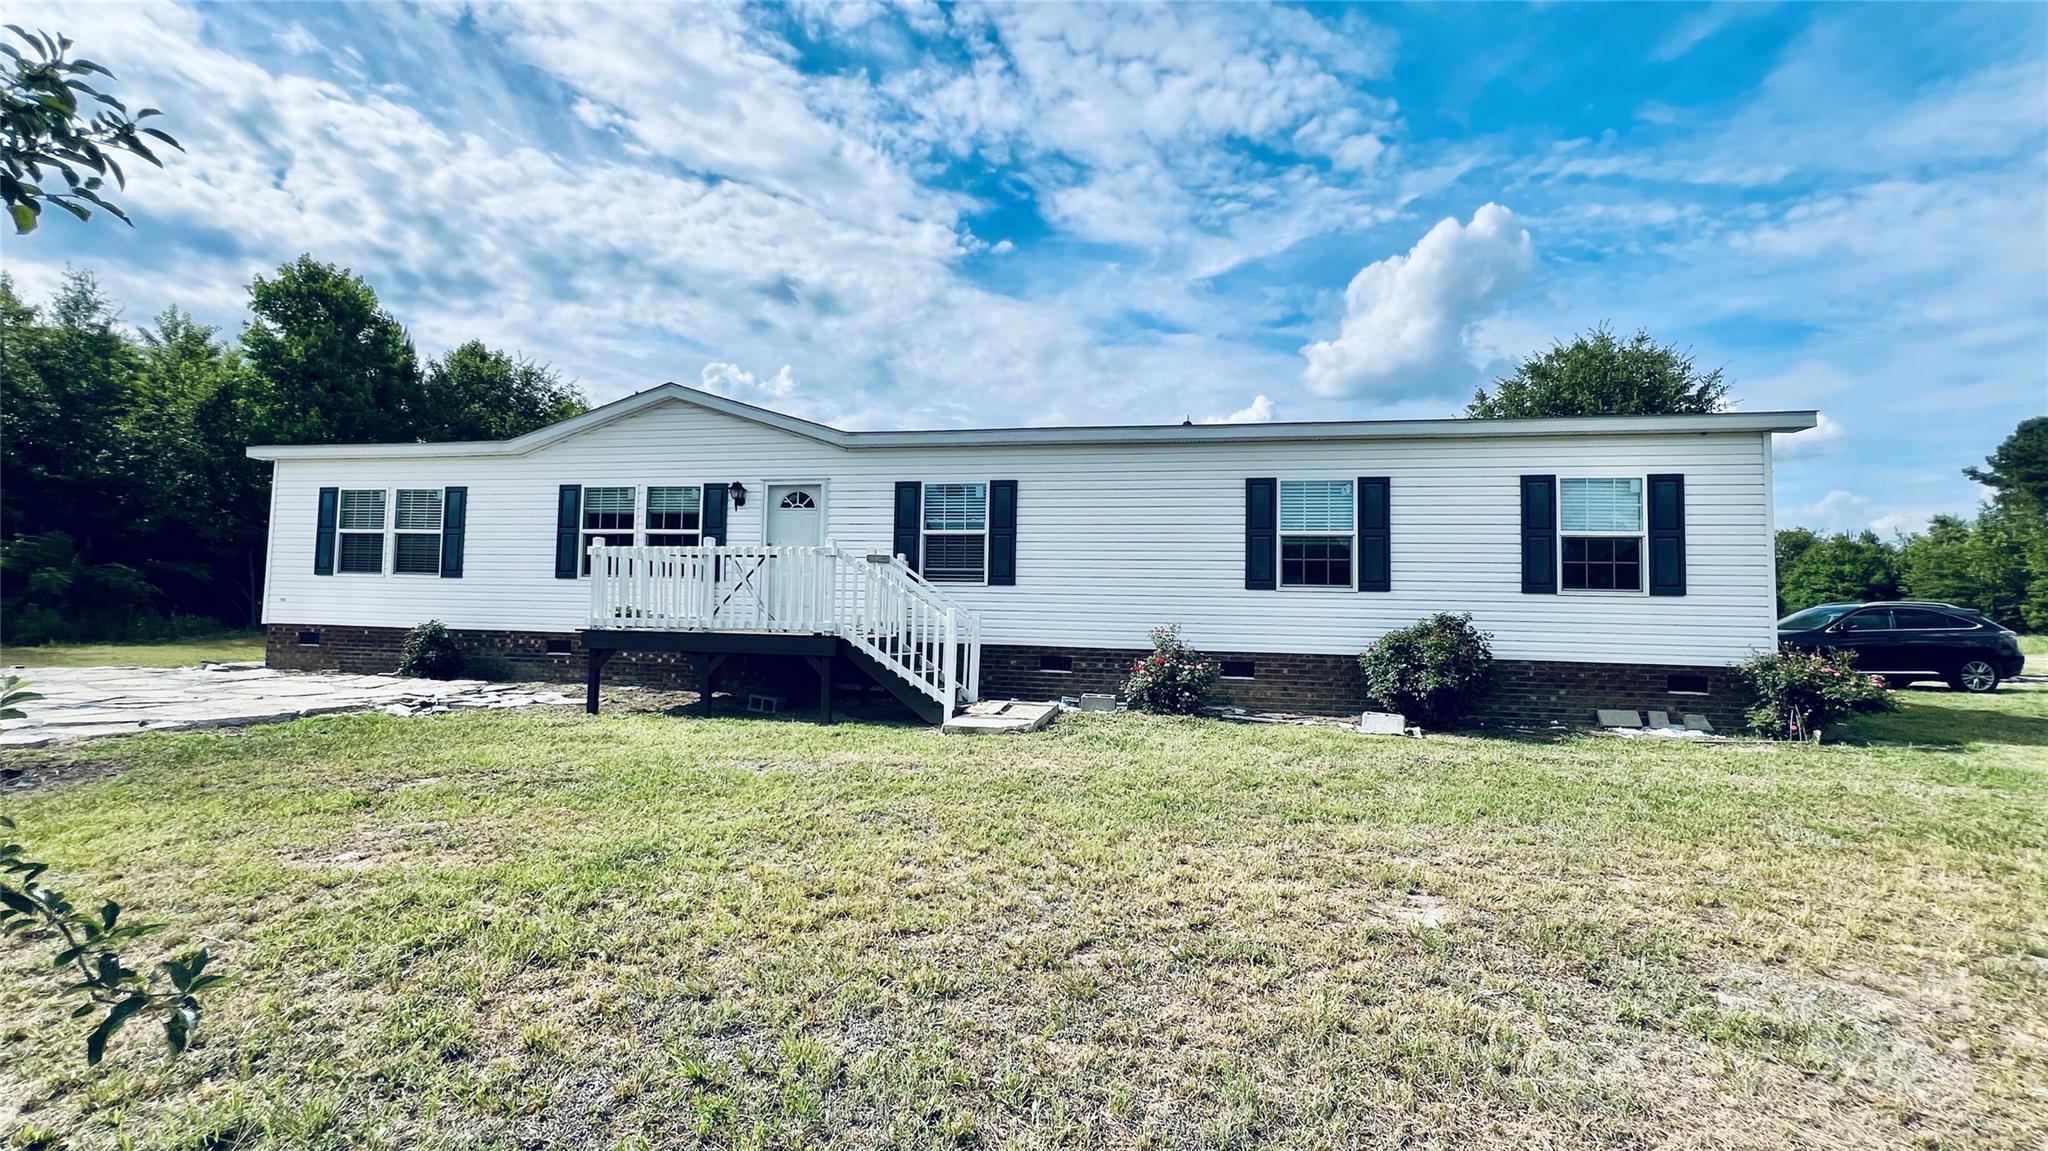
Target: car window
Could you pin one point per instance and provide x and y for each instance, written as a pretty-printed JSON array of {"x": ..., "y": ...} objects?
[
  {"x": 1879, "y": 620},
  {"x": 1813, "y": 617},
  {"x": 1916, "y": 619}
]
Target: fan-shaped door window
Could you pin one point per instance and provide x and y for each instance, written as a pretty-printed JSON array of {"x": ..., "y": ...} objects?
[{"x": 796, "y": 515}]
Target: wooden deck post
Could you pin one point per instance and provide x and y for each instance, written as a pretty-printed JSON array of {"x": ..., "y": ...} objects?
[
  {"x": 823, "y": 666},
  {"x": 711, "y": 666},
  {"x": 594, "y": 661}
]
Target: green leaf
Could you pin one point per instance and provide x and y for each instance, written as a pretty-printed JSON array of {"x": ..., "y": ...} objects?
[
  {"x": 96, "y": 1043},
  {"x": 178, "y": 1026},
  {"x": 24, "y": 218}
]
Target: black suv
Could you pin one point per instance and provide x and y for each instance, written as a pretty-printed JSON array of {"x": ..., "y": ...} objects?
[{"x": 1910, "y": 641}]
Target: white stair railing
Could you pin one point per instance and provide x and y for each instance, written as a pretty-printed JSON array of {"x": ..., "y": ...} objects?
[{"x": 893, "y": 615}]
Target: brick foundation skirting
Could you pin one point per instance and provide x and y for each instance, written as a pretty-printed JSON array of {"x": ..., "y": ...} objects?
[
  {"x": 509, "y": 655},
  {"x": 1524, "y": 692}
]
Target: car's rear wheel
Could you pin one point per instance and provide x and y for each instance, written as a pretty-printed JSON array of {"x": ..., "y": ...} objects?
[{"x": 1976, "y": 676}]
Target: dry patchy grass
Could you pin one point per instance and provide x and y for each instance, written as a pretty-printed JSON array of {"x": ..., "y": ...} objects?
[{"x": 541, "y": 929}]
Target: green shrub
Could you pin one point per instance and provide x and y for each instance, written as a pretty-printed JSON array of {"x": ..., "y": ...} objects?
[
  {"x": 1173, "y": 680},
  {"x": 430, "y": 652},
  {"x": 1430, "y": 671},
  {"x": 1798, "y": 693}
]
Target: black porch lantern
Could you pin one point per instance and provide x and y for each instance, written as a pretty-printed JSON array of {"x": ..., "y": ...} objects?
[{"x": 739, "y": 494}]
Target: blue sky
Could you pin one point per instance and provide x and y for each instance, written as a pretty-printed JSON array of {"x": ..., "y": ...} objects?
[{"x": 913, "y": 215}]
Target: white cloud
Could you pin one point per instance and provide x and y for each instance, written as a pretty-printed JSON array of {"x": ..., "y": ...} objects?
[
  {"x": 1698, "y": 27},
  {"x": 1406, "y": 318},
  {"x": 1259, "y": 411},
  {"x": 1824, "y": 436},
  {"x": 738, "y": 383},
  {"x": 297, "y": 39},
  {"x": 1845, "y": 511}
]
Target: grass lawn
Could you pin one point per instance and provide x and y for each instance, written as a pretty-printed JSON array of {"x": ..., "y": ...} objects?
[
  {"x": 486, "y": 930},
  {"x": 2036, "y": 647},
  {"x": 228, "y": 646}
]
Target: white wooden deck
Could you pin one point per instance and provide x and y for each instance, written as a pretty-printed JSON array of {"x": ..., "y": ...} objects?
[{"x": 874, "y": 602}]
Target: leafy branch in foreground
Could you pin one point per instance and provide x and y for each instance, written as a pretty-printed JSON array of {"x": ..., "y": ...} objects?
[
  {"x": 44, "y": 128},
  {"x": 170, "y": 993},
  {"x": 13, "y": 693}
]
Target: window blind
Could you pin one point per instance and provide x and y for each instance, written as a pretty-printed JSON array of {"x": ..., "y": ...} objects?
[
  {"x": 419, "y": 510},
  {"x": 671, "y": 501},
  {"x": 362, "y": 510},
  {"x": 1316, "y": 506},
  {"x": 955, "y": 507},
  {"x": 1601, "y": 505}
]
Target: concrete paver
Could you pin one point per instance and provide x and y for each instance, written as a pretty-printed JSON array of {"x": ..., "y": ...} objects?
[{"x": 84, "y": 702}]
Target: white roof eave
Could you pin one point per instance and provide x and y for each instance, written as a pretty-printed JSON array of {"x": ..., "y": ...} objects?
[{"x": 1718, "y": 422}]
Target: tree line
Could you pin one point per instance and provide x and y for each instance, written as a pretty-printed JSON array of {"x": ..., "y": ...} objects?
[
  {"x": 129, "y": 510},
  {"x": 1995, "y": 562}
]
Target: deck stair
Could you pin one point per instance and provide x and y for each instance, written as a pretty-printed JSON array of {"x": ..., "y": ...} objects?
[{"x": 910, "y": 636}]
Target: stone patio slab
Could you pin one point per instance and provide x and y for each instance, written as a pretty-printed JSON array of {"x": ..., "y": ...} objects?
[{"x": 90, "y": 702}]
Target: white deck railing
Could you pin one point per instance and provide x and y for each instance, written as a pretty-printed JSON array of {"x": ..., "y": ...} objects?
[{"x": 876, "y": 603}]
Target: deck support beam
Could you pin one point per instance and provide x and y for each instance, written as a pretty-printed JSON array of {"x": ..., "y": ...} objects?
[{"x": 714, "y": 648}]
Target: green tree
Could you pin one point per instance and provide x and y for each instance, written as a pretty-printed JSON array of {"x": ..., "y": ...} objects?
[
  {"x": 44, "y": 129},
  {"x": 203, "y": 522},
  {"x": 2018, "y": 468},
  {"x": 333, "y": 366},
  {"x": 1824, "y": 569},
  {"x": 475, "y": 393},
  {"x": 1599, "y": 375},
  {"x": 1936, "y": 564},
  {"x": 67, "y": 375}
]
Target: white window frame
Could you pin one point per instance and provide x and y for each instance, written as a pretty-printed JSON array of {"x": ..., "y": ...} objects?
[
  {"x": 382, "y": 530},
  {"x": 924, "y": 533},
  {"x": 585, "y": 534},
  {"x": 440, "y": 525},
  {"x": 646, "y": 529},
  {"x": 1281, "y": 535},
  {"x": 1641, "y": 535}
]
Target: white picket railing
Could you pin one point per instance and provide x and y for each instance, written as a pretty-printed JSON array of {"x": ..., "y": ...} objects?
[{"x": 875, "y": 602}]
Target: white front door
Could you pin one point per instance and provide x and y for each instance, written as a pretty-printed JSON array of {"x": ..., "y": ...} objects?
[{"x": 796, "y": 515}]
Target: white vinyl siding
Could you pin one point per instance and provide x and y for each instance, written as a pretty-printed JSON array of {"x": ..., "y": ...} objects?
[
  {"x": 1600, "y": 529},
  {"x": 1118, "y": 538},
  {"x": 1318, "y": 519},
  {"x": 360, "y": 546},
  {"x": 416, "y": 541},
  {"x": 955, "y": 533}
]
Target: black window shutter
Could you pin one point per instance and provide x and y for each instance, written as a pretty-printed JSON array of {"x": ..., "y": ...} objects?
[
  {"x": 1539, "y": 535},
  {"x": 713, "y": 519},
  {"x": 909, "y": 506},
  {"x": 323, "y": 544},
  {"x": 1261, "y": 519},
  {"x": 1002, "y": 533},
  {"x": 1667, "y": 535},
  {"x": 1375, "y": 538},
  {"x": 568, "y": 517},
  {"x": 454, "y": 516}
]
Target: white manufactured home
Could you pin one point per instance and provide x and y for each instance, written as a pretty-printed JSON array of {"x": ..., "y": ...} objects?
[{"x": 1616, "y": 561}]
